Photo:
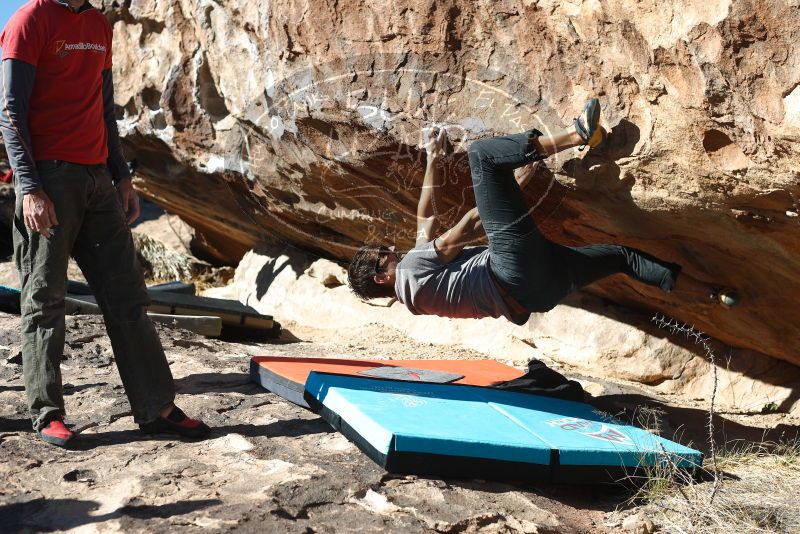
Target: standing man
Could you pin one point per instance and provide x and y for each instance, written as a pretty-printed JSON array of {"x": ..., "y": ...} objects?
[{"x": 74, "y": 197}]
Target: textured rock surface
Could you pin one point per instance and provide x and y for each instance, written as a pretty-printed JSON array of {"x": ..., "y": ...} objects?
[{"x": 297, "y": 121}]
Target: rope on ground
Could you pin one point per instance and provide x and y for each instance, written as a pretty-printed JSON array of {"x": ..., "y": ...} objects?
[{"x": 699, "y": 338}]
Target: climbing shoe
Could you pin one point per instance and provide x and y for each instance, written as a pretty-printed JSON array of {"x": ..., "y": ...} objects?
[
  {"x": 56, "y": 433},
  {"x": 726, "y": 296},
  {"x": 588, "y": 124},
  {"x": 177, "y": 423}
]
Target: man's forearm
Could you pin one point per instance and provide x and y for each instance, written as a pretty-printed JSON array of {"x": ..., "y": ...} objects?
[
  {"x": 452, "y": 242},
  {"x": 431, "y": 189},
  {"x": 117, "y": 165},
  {"x": 18, "y": 78},
  {"x": 473, "y": 227},
  {"x": 468, "y": 229}
]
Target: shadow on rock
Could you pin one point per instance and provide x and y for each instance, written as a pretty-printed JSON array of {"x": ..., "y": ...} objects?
[
  {"x": 14, "y": 425},
  {"x": 290, "y": 428},
  {"x": 270, "y": 271},
  {"x": 766, "y": 370},
  {"x": 217, "y": 383},
  {"x": 259, "y": 339},
  {"x": 689, "y": 425},
  {"x": 47, "y": 515},
  {"x": 69, "y": 389},
  {"x": 600, "y": 496},
  {"x": 598, "y": 169},
  {"x": 236, "y": 334}
]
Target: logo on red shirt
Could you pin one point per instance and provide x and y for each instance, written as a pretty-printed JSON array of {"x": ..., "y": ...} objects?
[
  {"x": 66, "y": 109},
  {"x": 63, "y": 48}
]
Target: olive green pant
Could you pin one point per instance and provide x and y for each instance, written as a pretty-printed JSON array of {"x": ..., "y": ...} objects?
[{"x": 91, "y": 228}]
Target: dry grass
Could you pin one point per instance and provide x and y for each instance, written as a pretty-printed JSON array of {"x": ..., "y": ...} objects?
[
  {"x": 162, "y": 264},
  {"x": 758, "y": 493},
  {"x": 749, "y": 488}
]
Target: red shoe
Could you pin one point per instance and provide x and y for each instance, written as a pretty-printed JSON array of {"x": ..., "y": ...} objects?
[
  {"x": 56, "y": 433},
  {"x": 178, "y": 423}
]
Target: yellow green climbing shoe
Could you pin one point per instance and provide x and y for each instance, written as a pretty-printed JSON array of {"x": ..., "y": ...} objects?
[{"x": 588, "y": 124}]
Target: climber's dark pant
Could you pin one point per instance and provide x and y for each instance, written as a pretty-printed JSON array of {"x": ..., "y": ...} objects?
[
  {"x": 533, "y": 270},
  {"x": 92, "y": 228}
]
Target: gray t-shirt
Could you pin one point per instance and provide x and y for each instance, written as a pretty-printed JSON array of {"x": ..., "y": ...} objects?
[{"x": 462, "y": 288}]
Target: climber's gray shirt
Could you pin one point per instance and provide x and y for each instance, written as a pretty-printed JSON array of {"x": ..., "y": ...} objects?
[{"x": 462, "y": 288}]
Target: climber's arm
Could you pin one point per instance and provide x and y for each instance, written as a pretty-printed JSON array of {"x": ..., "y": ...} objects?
[
  {"x": 452, "y": 242},
  {"x": 429, "y": 207}
]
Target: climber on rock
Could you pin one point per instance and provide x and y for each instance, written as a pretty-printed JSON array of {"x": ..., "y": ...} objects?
[{"x": 520, "y": 272}]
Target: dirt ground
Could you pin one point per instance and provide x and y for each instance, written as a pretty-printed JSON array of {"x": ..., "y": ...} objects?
[{"x": 269, "y": 466}]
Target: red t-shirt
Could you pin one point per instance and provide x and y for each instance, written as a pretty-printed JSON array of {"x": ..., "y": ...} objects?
[{"x": 70, "y": 51}]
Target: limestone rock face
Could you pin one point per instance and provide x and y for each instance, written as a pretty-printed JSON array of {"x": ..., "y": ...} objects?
[{"x": 298, "y": 121}]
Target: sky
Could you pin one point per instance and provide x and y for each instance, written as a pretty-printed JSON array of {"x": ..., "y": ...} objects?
[{"x": 7, "y": 8}]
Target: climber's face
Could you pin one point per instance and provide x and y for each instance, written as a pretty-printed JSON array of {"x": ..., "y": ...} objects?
[{"x": 386, "y": 265}]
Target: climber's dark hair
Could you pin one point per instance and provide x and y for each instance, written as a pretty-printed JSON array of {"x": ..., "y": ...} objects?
[{"x": 360, "y": 274}]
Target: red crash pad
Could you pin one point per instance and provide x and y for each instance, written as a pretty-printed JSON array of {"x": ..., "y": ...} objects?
[{"x": 286, "y": 376}]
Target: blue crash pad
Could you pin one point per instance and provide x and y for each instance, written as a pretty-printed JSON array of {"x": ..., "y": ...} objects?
[{"x": 475, "y": 431}]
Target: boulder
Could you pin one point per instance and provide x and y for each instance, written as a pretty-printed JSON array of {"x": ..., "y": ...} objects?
[{"x": 298, "y": 122}]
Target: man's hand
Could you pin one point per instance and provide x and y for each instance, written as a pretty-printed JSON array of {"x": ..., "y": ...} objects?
[
  {"x": 129, "y": 200},
  {"x": 434, "y": 140},
  {"x": 39, "y": 212}
]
